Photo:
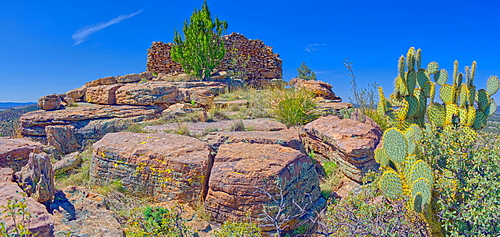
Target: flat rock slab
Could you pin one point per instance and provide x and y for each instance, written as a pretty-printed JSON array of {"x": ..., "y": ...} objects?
[
  {"x": 347, "y": 142},
  {"x": 78, "y": 212},
  {"x": 285, "y": 137},
  {"x": 14, "y": 153},
  {"x": 260, "y": 124},
  {"x": 83, "y": 124},
  {"x": 244, "y": 175},
  {"x": 41, "y": 221},
  {"x": 160, "y": 165}
]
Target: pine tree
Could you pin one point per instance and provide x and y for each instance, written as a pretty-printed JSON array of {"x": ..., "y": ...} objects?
[
  {"x": 202, "y": 48},
  {"x": 305, "y": 73}
]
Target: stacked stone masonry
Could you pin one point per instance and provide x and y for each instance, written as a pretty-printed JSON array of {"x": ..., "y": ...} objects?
[{"x": 252, "y": 59}]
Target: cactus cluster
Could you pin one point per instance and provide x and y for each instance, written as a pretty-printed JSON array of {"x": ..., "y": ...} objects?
[
  {"x": 403, "y": 174},
  {"x": 415, "y": 92}
]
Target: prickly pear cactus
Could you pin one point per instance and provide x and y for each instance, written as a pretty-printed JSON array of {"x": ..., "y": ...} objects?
[
  {"x": 412, "y": 101},
  {"x": 403, "y": 174}
]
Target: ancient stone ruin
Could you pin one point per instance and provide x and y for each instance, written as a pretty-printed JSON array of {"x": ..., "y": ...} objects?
[{"x": 252, "y": 58}]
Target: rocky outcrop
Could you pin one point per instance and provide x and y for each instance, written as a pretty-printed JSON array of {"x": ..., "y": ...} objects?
[
  {"x": 41, "y": 222},
  {"x": 90, "y": 123},
  {"x": 260, "y": 124},
  {"x": 347, "y": 142},
  {"x": 245, "y": 176},
  {"x": 76, "y": 95},
  {"x": 37, "y": 178},
  {"x": 286, "y": 137},
  {"x": 68, "y": 162},
  {"x": 79, "y": 212},
  {"x": 148, "y": 94},
  {"x": 159, "y": 165},
  {"x": 101, "y": 81},
  {"x": 50, "y": 102},
  {"x": 62, "y": 138},
  {"x": 104, "y": 94},
  {"x": 319, "y": 88},
  {"x": 14, "y": 153}
]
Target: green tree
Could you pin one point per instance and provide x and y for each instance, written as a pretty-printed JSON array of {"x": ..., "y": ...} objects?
[
  {"x": 202, "y": 48},
  {"x": 305, "y": 73}
]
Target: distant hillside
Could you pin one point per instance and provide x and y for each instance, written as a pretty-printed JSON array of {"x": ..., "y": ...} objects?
[
  {"x": 8, "y": 105},
  {"x": 9, "y": 117}
]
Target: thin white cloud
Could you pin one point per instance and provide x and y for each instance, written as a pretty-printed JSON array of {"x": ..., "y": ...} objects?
[
  {"x": 313, "y": 47},
  {"x": 81, "y": 35}
]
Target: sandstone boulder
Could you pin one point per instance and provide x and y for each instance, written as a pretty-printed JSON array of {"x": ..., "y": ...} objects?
[
  {"x": 101, "y": 81},
  {"x": 104, "y": 94},
  {"x": 160, "y": 165},
  {"x": 68, "y": 162},
  {"x": 79, "y": 212},
  {"x": 147, "y": 94},
  {"x": 246, "y": 177},
  {"x": 90, "y": 122},
  {"x": 76, "y": 94},
  {"x": 50, "y": 102},
  {"x": 40, "y": 223},
  {"x": 286, "y": 137},
  {"x": 37, "y": 178},
  {"x": 347, "y": 142},
  {"x": 62, "y": 137},
  {"x": 134, "y": 77},
  {"x": 319, "y": 88},
  {"x": 14, "y": 153}
]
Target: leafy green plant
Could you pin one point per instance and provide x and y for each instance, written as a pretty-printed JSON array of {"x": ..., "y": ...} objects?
[
  {"x": 157, "y": 221},
  {"x": 17, "y": 210},
  {"x": 305, "y": 73},
  {"x": 202, "y": 48},
  {"x": 330, "y": 168},
  {"x": 293, "y": 107},
  {"x": 469, "y": 181},
  {"x": 369, "y": 214},
  {"x": 238, "y": 229}
]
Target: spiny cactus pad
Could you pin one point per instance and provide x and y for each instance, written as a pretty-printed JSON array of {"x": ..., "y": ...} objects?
[
  {"x": 395, "y": 145},
  {"x": 451, "y": 113},
  {"x": 471, "y": 116},
  {"x": 464, "y": 95},
  {"x": 413, "y": 106},
  {"x": 483, "y": 99},
  {"x": 436, "y": 114},
  {"x": 391, "y": 185},
  {"x": 421, "y": 194},
  {"x": 409, "y": 162},
  {"x": 381, "y": 157},
  {"x": 401, "y": 66},
  {"x": 432, "y": 67},
  {"x": 480, "y": 121},
  {"x": 447, "y": 94},
  {"x": 492, "y": 85},
  {"x": 421, "y": 170},
  {"x": 441, "y": 77},
  {"x": 411, "y": 81},
  {"x": 491, "y": 109}
]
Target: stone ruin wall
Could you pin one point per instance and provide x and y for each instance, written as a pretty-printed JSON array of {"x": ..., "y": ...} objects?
[{"x": 252, "y": 58}]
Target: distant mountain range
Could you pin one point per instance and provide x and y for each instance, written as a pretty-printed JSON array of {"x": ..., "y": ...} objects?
[{"x": 7, "y": 105}]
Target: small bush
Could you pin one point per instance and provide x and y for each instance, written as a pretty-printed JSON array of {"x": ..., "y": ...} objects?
[
  {"x": 293, "y": 107},
  {"x": 18, "y": 211},
  {"x": 157, "y": 221},
  {"x": 136, "y": 128},
  {"x": 238, "y": 229},
  {"x": 237, "y": 126}
]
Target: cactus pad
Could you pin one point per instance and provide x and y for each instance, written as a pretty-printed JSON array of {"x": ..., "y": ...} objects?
[
  {"x": 421, "y": 194},
  {"x": 462, "y": 115},
  {"x": 451, "y": 114},
  {"x": 441, "y": 77},
  {"x": 395, "y": 145},
  {"x": 491, "y": 109},
  {"x": 422, "y": 77},
  {"x": 420, "y": 170},
  {"x": 480, "y": 121},
  {"x": 492, "y": 85},
  {"x": 381, "y": 157},
  {"x": 432, "y": 67},
  {"x": 413, "y": 106},
  {"x": 464, "y": 95},
  {"x": 409, "y": 162},
  {"x": 436, "y": 114},
  {"x": 447, "y": 94},
  {"x": 401, "y": 66},
  {"x": 410, "y": 59},
  {"x": 418, "y": 58},
  {"x": 455, "y": 70},
  {"x": 483, "y": 99},
  {"x": 471, "y": 116},
  {"x": 391, "y": 185},
  {"x": 411, "y": 81}
]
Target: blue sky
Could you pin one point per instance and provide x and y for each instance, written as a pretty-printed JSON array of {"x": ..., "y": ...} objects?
[{"x": 54, "y": 46}]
